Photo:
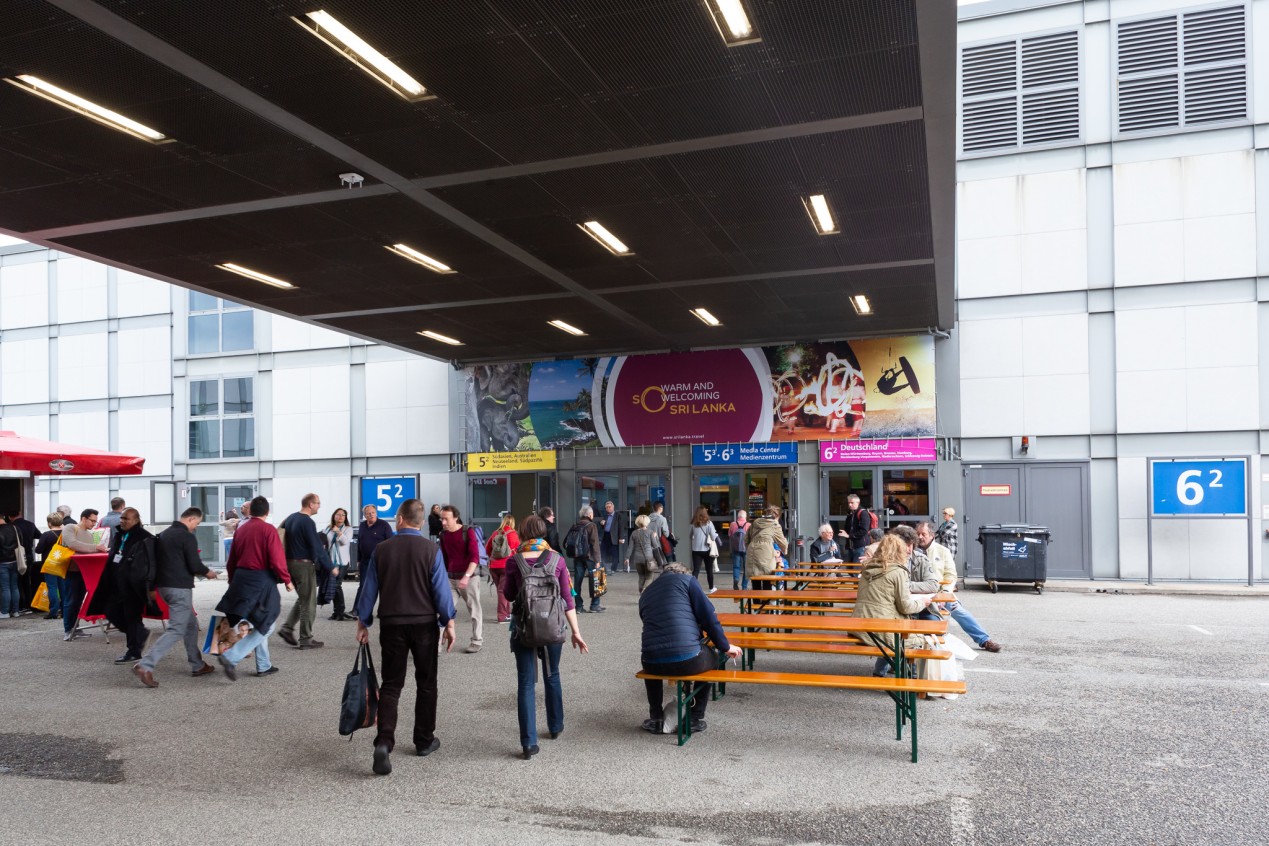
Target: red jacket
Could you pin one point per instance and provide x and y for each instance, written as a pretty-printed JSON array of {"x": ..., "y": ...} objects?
[
  {"x": 460, "y": 549},
  {"x": 256, "y": 546}
]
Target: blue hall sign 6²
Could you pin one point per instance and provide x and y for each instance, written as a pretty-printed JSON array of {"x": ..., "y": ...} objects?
[
  {"x": 713, "y": 455},
  {"x": 1199, "y": 487},
  {"x": 387, "y": 493}
]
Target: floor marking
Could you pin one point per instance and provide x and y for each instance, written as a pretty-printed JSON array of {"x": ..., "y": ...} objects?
[
  {"x": 985, "y": 670},
  {"x": 1264, "y": 684},
  {"x": 1201, "y": 631}
]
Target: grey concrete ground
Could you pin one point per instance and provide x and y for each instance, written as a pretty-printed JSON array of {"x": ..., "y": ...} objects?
[{"x": 1107, "y": 719}]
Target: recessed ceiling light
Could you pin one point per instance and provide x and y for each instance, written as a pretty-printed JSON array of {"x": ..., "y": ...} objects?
[
  {"x": 567, "y": 327},
  {"x": 87, "y": 108},
  {"x": 732, "y": 22},
  {"x": 444, "y": 339},
  {"x": 705, "y": 317},
  {"x": 419, "y": 258},
  {"x": 821, "y": 214},
  {"x": 861, "y": 304},
  {"x": 353, "y": 47},
  {"x": 254, "y": 274},
  {"x": 611, "y": 242}
]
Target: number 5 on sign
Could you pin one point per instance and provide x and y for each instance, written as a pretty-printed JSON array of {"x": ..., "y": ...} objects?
[
  {"x": 1198, "y": 487},
  {"x": 387, "y": 494}
]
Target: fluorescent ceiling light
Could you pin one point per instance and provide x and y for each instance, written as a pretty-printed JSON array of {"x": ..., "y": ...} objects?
[
  {"x": 611, "y": 242},
  {"x": 254, "y": 274},
  {"x": 861, "y": 304},
  {"x": 87, "y": 108},
  {"x": 444, "y": 339},
  {"x": 353, "y": 47},
  {"x": 419, "y": 258},
  {"x": 705, "y": 317},
  {"x": 821, "y": 215},
  {"x": 732, "y": 22},
  {"x": 567, "y": 327}
]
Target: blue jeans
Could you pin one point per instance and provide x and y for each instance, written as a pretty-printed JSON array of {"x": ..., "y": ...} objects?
[
  {"x": 10, "y": 598},
  {"x": 739, "y": 577},
  {"x": 56, "y": 590},
  {"x": 583, "y": 569},
  {"x": 968, "y": 624},
  {"x": 253, "y": 641},
  {"x": 72, "y": 598},
  {"x": 526, "y": 690}
]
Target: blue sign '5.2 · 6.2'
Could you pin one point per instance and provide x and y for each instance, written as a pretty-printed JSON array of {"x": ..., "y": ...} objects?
[{"x": 1199, "y": 487}]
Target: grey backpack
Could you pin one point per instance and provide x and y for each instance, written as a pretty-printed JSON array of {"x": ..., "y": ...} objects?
[{"x": 539, "y": 609}]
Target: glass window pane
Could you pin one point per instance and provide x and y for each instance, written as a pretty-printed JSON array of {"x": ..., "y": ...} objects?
[
  {"x": 204, "y": 439},
  {"x": 240, "y": 438},
  {"x": 237, "y": 329},
  {"x": 204, "y": 334},
  {"x": 907, "y": 494},
  {"x": 202, "y": 302},
  {"x": 204, "y": 398},
  {"x": 238, "y": 396}
]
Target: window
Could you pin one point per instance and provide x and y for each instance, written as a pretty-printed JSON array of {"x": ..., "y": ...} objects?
[
  {"x": 217, "y": 325},
  {"x": 1185, "y": 70},
  {"x": 1020, "y": 93},
  {"x": 222, "y": 429}
]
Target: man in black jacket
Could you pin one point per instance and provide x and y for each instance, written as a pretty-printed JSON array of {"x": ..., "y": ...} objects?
[
  {"x": 304, "y": 554},
  {"x": 127, "y": 584},
  {"x": 176, "y": 565}
]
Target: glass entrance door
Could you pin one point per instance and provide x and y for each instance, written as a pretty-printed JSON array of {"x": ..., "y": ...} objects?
[
  {"x": 218, "y": 502},
  {"x": 632, "y": 493},
  {"x": 723, "y": 494},
  {"x": 490, "y": 497}
]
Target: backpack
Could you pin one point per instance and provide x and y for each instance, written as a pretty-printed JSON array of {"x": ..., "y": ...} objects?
[
  {"x": 539, "y": 609},
  {"x": 480, "y": 545},
  {"x": 576, "y": 544},
  {"x": 867, "y": 519},
  {"x": 501, "y": 547}
]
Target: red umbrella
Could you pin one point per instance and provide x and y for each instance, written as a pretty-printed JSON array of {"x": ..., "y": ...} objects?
[{"x": 48, "y": 458}]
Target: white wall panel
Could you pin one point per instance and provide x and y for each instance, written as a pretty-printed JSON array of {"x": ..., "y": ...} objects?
[
  {"x": 1151, "y": 401},
  {"x": 81, "y": 367},
  {"x": 288, "y": 491},
  {"x": 1220, "y": 247},
  {"x": 1053, "y": 201},
  {"x": 1055, "y": 261},
  {"x": 137, "y": 295},
  {"x": 1219, "y": 184},
  {"x": 145, "y": 362},
  {"x": 28, "y": 426},
  {"x": 296, "y": 335},
  {"x": 1055, "y": 344},
  {"x": 1221, "y": 335},
  {"x": 24, "y": 295},
  {"x": 84, "y": 428},
  {"x": 311, "y": 413},
  {"x": 1148, "y": 191},
  {"x": 1149, "y": 253},
  {"x": 990, "y": 267},
  {"x": 81, "y": 290},
  {"x": 992, "y": 407},
  {"x": 1150, "y": 339},
  {"x": 988, "y": 208},
  {"x": 80, "y": 493},
  {"x": 24, "y": 371},
  {"x": 147, "y": 432},
  {"x": 1222, "y": 398},
  {"x": 407, "y": 405},
  {"x": 1055, "y": 405},
  {"x": 991, "y": 348}
]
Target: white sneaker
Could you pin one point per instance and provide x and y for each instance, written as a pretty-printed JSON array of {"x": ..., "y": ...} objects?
[
  {"x": 712, "y": 591},
  {"x": 4, "y": 616},
  {"x": 69, "y": 635}
]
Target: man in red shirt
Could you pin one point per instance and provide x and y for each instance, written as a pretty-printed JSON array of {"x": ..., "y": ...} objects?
[
  {"x": 462, "y": 562},
  {"x": 256, "y": 565}
]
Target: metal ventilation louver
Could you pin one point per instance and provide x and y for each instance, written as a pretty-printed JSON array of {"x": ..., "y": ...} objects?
[{"x": 1020, "y": 92}]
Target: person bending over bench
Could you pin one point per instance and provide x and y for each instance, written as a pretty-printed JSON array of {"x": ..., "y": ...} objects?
[{"x": 675, "y": 613}]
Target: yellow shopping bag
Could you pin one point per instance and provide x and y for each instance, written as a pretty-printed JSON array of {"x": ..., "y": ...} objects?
[
  {"x": 40, "y": 602},
  {"x": 57, "y": 559}
]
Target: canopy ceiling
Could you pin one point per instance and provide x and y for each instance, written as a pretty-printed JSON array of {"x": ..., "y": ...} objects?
[{"x": 634, "y": 113}]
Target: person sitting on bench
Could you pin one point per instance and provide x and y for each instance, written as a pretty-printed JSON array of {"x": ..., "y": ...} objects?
[
  {"x": 883, "y": 591},
  {"x": 824, "y": 548},
  {"x": 675, "y": 612}
]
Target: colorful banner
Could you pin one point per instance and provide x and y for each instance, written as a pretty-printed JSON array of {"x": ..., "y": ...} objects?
[
  {"x": 876, "y": 388},
  {"x": 878, "y": 450}
]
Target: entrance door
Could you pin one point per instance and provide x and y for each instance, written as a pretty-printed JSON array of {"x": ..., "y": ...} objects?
[
  {"x": 521, "y": 494},
  {"x": 217, "y": 503},
  {"x": 905, "y": 495},
  {"x": 1055, "y": 495},
  {"x": 723, "y": 494},
  {"x": 632, "y": 493}
]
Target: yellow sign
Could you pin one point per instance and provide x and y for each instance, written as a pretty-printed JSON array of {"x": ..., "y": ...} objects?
[{"x": 509, "y": 462}]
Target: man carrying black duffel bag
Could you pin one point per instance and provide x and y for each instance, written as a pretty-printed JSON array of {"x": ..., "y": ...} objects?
[{"x": 407, "y": 577}]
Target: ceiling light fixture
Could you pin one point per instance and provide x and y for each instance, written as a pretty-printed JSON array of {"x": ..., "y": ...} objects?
[
  {"x": 419, "y": 258},
  {"x": 732, "y": 22},
  {"x": 567, "y": 327},
  {"x": 254, "y": 274},
  {"x": 354, "y": 48},
  {"x": 444, "y": 339},
  {"x": 611, "y": 242},
  {"x": 87, "y": 108},
  {"x": 705, "y": 317},
  {"x": 821, "y": 214},
  {"x": 861, "y": 304}
]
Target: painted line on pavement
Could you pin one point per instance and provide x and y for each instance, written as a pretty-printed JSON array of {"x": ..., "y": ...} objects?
[
  {"x": 985, "y": 670},
  {"x": 1201, "y": 631}
]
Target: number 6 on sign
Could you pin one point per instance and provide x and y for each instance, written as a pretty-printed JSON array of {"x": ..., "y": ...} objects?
[{"x": 1188, "y": 491}]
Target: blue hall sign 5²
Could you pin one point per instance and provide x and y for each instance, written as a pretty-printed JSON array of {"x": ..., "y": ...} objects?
[
  {"x": 713, "y": 455},
  {"x": 387, "y": 493},
  {"x": 1188, "y": 488}
]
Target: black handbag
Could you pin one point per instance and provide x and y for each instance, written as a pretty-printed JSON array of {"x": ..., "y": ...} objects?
[{"x": 360, "y": 708}]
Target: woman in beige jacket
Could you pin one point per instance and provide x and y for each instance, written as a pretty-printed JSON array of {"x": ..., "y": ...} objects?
[
  {"x": 761, "y": 539},
  {"x": 883, "y": 591}
]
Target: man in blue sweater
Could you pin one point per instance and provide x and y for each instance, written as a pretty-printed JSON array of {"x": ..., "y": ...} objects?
[{"x": 675, "y": 614}]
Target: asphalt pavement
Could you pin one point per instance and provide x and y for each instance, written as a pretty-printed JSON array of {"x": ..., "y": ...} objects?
[{"x": 1106, "y": 719}]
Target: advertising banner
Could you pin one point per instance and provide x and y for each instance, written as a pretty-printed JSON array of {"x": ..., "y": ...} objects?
[
  {"x": 878, "y": 450},
  {"x": 878, "y": 388}
]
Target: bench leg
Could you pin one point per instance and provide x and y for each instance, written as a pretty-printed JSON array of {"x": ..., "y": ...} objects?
[
  {"x": 685, "y": 725},
  {"x": 912, "y": 698}
]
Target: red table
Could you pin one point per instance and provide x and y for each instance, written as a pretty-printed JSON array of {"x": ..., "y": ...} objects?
[{"x": 91, "y": 566}]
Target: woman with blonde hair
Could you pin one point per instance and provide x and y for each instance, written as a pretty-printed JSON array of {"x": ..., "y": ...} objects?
[
  {"x": 640, "y": 551},
  {"x": 703, "y": 534},
  {"x": 883, "y": 591},
  {"x": 502, "y": 544}
]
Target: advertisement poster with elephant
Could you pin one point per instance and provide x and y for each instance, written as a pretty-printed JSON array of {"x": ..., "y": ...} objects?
[{"x": 872, "y": 388}]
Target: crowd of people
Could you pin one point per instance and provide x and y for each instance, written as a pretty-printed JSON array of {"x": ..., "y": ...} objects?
[{"x": 410, "y": 579}]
